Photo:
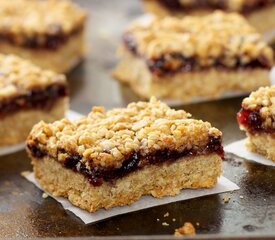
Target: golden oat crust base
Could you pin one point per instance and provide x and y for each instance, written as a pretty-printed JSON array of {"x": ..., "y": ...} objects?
[
  {"x": 15, "y": 128},
  {"x": 155, "y": 180},
  {"x": 61, "y": 60},
  {"x": 262, "y": 143},
  {"x": 211, "y": 83}
]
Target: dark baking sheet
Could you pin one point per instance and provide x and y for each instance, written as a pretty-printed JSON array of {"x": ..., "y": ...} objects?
[{"x": 24, "y": 213}]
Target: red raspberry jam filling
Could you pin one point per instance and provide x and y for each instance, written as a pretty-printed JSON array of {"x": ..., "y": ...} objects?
[
  {"x": 97, "y": 175},
  {"x": 177, "y": 63},
  {"x": 37, "y": 98},
  {"x": 250, "y": 119},
  {"x": 50, "y": 41}
]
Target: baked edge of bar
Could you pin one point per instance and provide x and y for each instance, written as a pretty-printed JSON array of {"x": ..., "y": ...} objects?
[
  {"x": 12, "y": 130},
  {"x": 262, "y": 143},
  {"x": 61, "y": 61},
  {"x": 134, "y": 71},
  {"x": 164, "y": 180}
]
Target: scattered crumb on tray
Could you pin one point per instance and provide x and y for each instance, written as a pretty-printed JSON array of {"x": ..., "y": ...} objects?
[
  {"x": 233, "y": 161},
  {"x": 186, "y": 229},
  {"x": 197, "y": 223},
  {"x": 241, "y": 197},
  {"x": 226, "y": 198},
  {"x": 166, "y": 214},
  {"x": 25, "y": 173},
  {"x": 165, "y": 224},
  {"x": 173, "y": 219},
  {"x": 45, "y": 195},
  {"x": 158, "y": 219}
]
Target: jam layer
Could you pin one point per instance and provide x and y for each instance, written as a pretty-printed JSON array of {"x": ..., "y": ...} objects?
[
  {"x": 251, "y": 120},
  {"x": 178, "y": 63},
  {"x": 37, "y": 98},
  {"x": 49, "y": 41},
  {"x": 248, "y": 7},
  {"x": 135, "y": 161}
]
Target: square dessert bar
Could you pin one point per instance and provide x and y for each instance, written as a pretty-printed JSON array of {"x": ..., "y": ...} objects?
[
  {"x": 112, "y": 158},
  {"x": 49, "y": 33},
  {"x": 257, "y": 119},
  {"x": 259, "y": 13},
  {"x": 27, "y": 96},
  {"x": 209, "y": 56}
]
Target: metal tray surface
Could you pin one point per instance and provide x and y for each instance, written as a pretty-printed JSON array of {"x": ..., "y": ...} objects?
[{"x": 24, "y": 213}]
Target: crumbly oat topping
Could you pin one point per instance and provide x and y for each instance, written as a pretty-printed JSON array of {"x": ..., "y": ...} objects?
[
  {"x": 186, "y": 229},
  {"x": 224, "y": 36},
  {"x": 228, "y": 5},
  {"x": 33, "y": 17},
  {"x": 106, "y": 139},
  {"x": 262, "y": 100},
  {"x": 18, "y": 76}
]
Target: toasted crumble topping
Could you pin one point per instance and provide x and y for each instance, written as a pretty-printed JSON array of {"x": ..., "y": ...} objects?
[
  {"x": 33, "y": 17},
  {"x": 106, "y": 139},
  {"x": 229, "y": 5},
  {"x": 18, "y": 76},
  {"x": 224, "y": 36},
  {"x": 262, "y": 100},
  {"x": 186, "y": 229}
]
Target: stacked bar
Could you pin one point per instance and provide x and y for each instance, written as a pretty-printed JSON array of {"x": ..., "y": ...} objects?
[
  {"x": 112, "y": 158},
  {"x": 257, "y": 119},
  {"x": 27, "y": 96},
  {"x": 49, "y": 33},
  {"x": 209, "y": 56}
]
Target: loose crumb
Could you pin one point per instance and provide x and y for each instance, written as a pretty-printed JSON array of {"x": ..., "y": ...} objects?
[
  {"x": 241, "y": 197},
  {"x": 45, "y": 195},
  {"x": 158, "y": 219},
  {"x": 166, "y": 214},
  {"x": 197, "y": 223},
  {"x": 25, "y": 173},
  {"x": 226, "y": 198},
  {"x": 165, "y": 224},
  {"x": 186, "y": 229},
  {"x": 173, "y": 219}
]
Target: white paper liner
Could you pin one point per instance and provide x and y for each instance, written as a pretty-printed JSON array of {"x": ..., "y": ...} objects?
[
  {"x": 272, "y": 76},
  {"x": 239, "y": 149},
  {"x": 71, "y": 115},
  {"x": 223, "y": 185},
  {"x": 269, "y": 36}
]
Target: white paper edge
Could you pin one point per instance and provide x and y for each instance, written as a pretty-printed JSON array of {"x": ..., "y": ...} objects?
[
  {"x": 272, "y": 76},
  {"x": 223, "y": 185},
  {"x": 239, "y": 149},
  {"x": 71, "y": 115},
  {"x": 269, "y": 36}
]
